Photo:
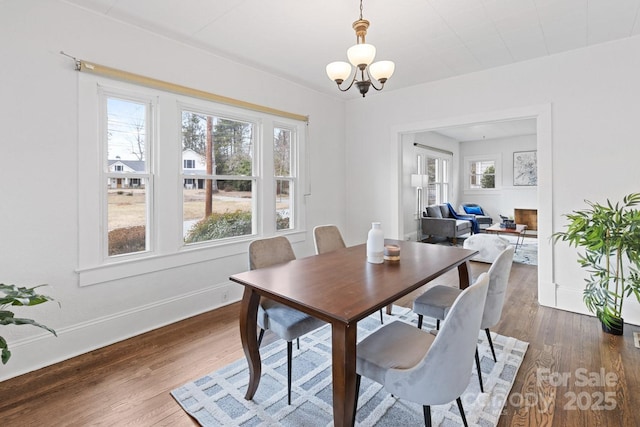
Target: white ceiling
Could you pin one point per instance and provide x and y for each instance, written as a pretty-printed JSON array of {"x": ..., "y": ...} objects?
[
  {"x": 427, "y": 39},
  {"x": 491, "y": 130}
]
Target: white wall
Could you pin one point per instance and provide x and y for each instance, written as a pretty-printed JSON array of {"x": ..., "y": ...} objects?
[
  {"x": 39, "y": 167},
  {"x": 593, "y": 93},
  {"x": 508, "y": 197}
]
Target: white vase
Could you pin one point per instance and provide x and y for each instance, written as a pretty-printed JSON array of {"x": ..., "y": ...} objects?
[{"x": 375, "y": 244}]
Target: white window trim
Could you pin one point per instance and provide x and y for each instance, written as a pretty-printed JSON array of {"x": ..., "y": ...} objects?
[
  {"x": 168, "y": 250},
  {"x": 151, "y": 102},
  {"x": 293, "y": 177},
  {"x": 497, "y": 159},
  {"x": 440, "y": 156}
]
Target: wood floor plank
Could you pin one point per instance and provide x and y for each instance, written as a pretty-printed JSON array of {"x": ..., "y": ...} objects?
[{"x": 128, "y": 383}]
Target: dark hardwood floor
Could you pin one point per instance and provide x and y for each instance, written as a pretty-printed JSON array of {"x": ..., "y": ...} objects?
[{"x": 572, "y": 374}]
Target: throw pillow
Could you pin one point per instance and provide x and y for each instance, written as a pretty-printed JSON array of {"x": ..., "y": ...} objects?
[
  {"x": 434, "y": 211},
  {"x": 474, "y": 210}
]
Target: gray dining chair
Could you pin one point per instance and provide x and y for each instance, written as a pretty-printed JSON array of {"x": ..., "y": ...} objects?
[
  {"x": 328, "y": 238},
  {"x": 422, "y": 367},
  {"x": 436, "y": 301},
  {"x": 287, "y": 323}
]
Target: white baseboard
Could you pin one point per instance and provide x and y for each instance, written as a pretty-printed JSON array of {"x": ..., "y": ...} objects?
[
  {"x": 44, "y": 350},
  {"x": 570, "y": 299}
]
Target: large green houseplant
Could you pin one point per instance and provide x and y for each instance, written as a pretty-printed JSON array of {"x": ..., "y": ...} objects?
[
  {"x": 12, "y": 295},
  {"x": 610, "y": 237}
]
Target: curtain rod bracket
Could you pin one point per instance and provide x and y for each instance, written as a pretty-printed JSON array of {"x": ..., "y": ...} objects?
[{"x": 75, "y": 60}]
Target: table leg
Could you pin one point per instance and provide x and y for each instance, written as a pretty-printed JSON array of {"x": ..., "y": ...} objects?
[
  {"x": 343, "y": 341},
  {"x": 249, "y": 338},
  {"x": 464, "y": 275}
]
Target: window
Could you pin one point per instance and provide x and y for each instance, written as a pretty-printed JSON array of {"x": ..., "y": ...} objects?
[
  {"x": 188, "y": 183},
  {"x": 284, "y": 172},
  {"x": 222, "y": 206},
  {"x": 127, "y": 175},
  {"x": 438, "y": 173},
  {"x": 482, "y": 173}
]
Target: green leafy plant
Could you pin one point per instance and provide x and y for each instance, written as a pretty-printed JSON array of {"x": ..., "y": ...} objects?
[
  {"x": 18, "y": 296},
  {"x": 610, "y": 237},
  {"x": 220, "y": 226}
]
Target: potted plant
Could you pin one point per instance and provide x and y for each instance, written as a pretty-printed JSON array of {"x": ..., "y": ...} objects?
[
  {"x": 610, "y": 237},
  {"x": 18, "y": 296}
]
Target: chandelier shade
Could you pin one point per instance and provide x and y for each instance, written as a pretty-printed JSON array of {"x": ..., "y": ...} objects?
[
  {"x": 339, "y": 71},
  {"x": 361, "y": 55},
  {"x": 382, "y": 70}
]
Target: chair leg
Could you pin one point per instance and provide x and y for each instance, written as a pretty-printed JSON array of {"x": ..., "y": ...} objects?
[
  {"x": 355, "y": 401},
  {"x": 426, "y": 410},
  {"x": 289, "y": 352},
  {"x": 381, "y": 319},
  {"x": 479, "y": 371},
  {"x": 260, "y": 337},
  {"x": 464, "y": 419},
  {"x": 491, "y": 344},
  {"x": 420, "y": 316}
]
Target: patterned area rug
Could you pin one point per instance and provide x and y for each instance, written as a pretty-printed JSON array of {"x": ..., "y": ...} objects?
[
  {"x": 527, "y": 253},
  {"x": 217, "y": 399}
]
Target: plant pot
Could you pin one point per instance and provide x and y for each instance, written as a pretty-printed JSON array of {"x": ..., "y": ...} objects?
[{"x": 615, "y": 327}]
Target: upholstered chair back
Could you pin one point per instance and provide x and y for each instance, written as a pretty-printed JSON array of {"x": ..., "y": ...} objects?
[
  {"x": 499, "y": 273},
  {"x": 270, "y": 251},
  {"x": 327, "y": 238},
  {"x": 444, "y": 372}
]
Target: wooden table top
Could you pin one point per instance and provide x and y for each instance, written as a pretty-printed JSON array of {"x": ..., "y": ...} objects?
[
  {"x": 341, "y": 286},
  {"x": 520, "y": 228}
]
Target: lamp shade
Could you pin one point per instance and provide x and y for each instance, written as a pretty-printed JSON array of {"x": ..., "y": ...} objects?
[
  {"x": 382, "y": 70},
  {"x": 419, "y": 181},
  {"x": 361, "y": 54},
  {"x": 338, "y": 70}
]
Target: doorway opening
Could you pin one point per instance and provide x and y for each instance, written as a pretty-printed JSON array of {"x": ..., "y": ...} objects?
[{"x": 541, "y": 115}]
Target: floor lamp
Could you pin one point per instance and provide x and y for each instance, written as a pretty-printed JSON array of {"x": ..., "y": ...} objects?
[{"x": 419, "y": 181}]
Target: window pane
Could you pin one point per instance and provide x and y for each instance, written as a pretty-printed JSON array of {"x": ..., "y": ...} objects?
[
  {"x": 282, "y": 152},
  {"x": 482, "y": 174},
  {"x": 432, "y": 169},
  {"x": 127, "y": 215},
  {"x": 126, "y": 135},
  {"x": 283, "y": 167},
  {"x": 219, "y": 146},
  {"x": 445, "y": 170},
  {"x": 216, "y": 209},
  {"x": 283, "y": 204}
]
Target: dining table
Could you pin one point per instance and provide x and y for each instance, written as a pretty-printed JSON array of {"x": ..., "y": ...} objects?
[{"x": 342, "y": 288}]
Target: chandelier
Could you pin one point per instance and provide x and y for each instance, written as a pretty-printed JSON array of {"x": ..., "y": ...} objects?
[{"x": 361, "y": 56}]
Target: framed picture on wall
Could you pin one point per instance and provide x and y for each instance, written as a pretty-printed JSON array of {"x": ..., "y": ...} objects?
[{"x": 525, "y": 168}]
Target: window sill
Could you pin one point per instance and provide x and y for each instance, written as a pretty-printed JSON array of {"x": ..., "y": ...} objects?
[{"x": 186, "y": 256}]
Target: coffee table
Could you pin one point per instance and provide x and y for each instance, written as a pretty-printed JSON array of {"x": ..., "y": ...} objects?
[{"x": 519, "y": 231}]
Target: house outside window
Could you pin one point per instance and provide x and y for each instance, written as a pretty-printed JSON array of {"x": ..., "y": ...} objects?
[
  {"x": 127, "y": 174},
  {"x": 189, "y": 164}
]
